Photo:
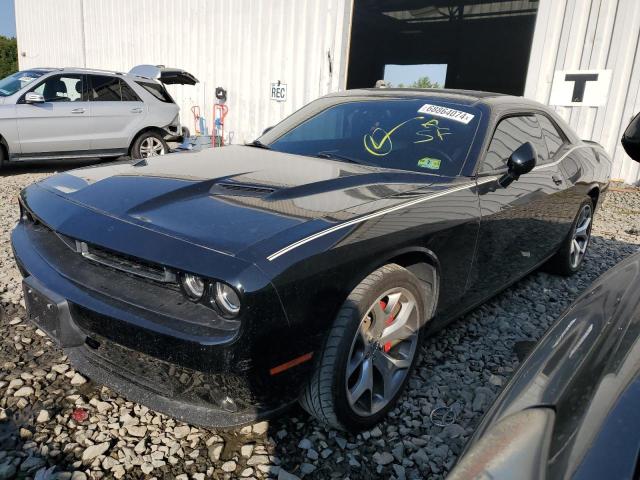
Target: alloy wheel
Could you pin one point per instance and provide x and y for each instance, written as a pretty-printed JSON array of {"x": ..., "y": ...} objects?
[
  {"x": 382, "y": 351},
  {"x": 151, "y": 147},
  {"x": 581, "y": 236}
]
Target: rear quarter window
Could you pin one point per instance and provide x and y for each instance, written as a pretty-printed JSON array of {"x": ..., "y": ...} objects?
[{"x": 157, "y": 90}]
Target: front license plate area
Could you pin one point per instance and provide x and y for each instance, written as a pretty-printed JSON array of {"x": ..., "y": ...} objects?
[{"x": 42, "y": 311}]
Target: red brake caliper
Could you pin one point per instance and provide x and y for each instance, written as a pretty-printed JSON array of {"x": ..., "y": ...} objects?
[{"x": 387, "y": 322}]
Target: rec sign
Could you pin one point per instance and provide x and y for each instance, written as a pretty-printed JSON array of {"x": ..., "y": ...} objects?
[
  {"x": 279, "y": 92},
  {"x": 580, "y": 88}
]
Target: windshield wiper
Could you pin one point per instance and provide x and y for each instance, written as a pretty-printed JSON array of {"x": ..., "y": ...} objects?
[
  {"x": 258, "y": 144},
  {"x": 337, "y": 156}
]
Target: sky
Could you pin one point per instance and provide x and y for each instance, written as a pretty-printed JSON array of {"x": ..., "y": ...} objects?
[
  {"x": 407, "y": 74},
  {"x": 7, "y": 18}
]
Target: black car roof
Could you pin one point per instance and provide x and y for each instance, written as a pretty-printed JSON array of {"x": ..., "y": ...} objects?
[{"x": 468, "y": 97}]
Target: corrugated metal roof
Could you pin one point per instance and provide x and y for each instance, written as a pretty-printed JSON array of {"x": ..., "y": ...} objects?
[{"x": 592, "y": 35}]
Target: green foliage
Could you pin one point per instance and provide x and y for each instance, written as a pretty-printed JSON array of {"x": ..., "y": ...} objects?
[
  {"x": 425, "y": 82},
  {"x": 8, "y": 56}
]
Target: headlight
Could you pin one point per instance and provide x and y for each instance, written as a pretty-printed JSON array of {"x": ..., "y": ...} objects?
[
  {"x": 193, "y": 286},
  {"x": 226, "y": 299}
]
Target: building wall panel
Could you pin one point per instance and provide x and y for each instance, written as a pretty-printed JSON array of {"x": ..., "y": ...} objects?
[
  {"x": 592, "y": 34},
  {"x": 241, "y": 45}
]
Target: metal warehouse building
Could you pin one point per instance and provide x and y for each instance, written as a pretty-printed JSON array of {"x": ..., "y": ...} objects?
[{"x": 579, "y": 55}]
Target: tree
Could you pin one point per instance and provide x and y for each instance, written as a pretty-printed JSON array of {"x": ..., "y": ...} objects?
[
  {"x": 425, "y": 82},
  {"x": 422, "y": 82},
  {"x": 8, "y": 56}
]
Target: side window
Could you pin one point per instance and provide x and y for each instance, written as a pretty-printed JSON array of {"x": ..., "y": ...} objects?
[
  {"x": 61, "y": 88},
  {"x": 128, "y": 95},
  {"x": 508, "y": 136},
  {"x": 157, "y": 91},
  {"x": 103, "y": 88},
  {"x": 552, "y": 136}
]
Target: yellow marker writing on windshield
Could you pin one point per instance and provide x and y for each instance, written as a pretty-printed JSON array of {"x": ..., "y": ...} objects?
[{"x": 385, "y": 145}]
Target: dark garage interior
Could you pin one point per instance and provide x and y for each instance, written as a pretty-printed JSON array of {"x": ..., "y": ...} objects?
[{"x": 484, "y": 45}]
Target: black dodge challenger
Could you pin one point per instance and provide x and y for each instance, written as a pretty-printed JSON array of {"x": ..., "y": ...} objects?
[{"x": 223, "y": 285}]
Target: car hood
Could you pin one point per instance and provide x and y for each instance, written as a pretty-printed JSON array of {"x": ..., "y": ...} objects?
[{"x": 230, "y": 198}]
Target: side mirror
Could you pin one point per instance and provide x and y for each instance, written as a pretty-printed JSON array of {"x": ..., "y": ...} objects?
[
  {"x": 266, "y": 130},
  {"x": 522, "y": 161},
  {"x": 33, "y": 97},
  {"x": 631, "y": 139}
]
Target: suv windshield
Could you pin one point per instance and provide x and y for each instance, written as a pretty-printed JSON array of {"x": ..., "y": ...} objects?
[
  {"x": 11, "y": 84},
  {"x": 422, "y": 135}
]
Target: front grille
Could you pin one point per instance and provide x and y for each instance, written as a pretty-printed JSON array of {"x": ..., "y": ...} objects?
[
  {"x": 108, "y": 258},
  {"x": 125, "y": 264}
]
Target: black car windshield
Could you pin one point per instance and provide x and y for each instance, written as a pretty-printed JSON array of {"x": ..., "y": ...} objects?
[
  {"x": 422, "y": 135},
  {"x": 11, "y": 84}
]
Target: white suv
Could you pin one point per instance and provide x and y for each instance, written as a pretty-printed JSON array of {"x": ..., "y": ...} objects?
[{"x": 71, "y": 113}]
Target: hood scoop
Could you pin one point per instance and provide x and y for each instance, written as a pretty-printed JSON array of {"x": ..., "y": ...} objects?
[{"x": 241, "y": 190}]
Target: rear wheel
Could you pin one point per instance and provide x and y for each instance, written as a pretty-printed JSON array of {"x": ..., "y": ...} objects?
[
  {"x": 569, "y": 258},
  {"x": 369, "y": 352},
  {"x": 149, "y": 144}
]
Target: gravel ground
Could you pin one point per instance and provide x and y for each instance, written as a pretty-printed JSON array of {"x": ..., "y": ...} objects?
[{"x": 57, "y": 424}]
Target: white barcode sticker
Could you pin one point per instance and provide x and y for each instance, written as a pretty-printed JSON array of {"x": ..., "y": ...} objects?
[{"x": 444, "y": 112}]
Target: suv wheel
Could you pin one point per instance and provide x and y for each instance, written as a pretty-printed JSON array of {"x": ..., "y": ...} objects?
[
  {"x": 369, "y": 351},
  {"x": 149, "y": 144}
]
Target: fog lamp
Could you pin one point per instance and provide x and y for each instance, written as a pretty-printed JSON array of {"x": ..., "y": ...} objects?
[
  {"x": 227, "y": 299},
  {"x": 193, "y": 286}
]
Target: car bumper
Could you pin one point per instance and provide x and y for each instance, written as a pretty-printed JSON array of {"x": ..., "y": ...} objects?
[{"x": 206, "y": 376}]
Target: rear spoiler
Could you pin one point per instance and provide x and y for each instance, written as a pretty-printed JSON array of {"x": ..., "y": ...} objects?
[{"x": 168, "y": 76}]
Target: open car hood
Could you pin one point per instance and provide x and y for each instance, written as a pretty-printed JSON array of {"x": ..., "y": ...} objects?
[{"x": 168, "y": 76}]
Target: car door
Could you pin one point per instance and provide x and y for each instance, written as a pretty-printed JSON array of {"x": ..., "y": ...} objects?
[
  {"x": 60, "y": 124},
  {"x": 116, "y": 112},
  {"x": 521, "y": 225}
]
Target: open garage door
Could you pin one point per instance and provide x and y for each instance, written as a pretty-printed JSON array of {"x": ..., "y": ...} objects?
[{"x": 479, "y": 45}]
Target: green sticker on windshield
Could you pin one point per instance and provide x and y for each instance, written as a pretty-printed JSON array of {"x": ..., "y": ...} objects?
[{"x": 430, "y": 163}]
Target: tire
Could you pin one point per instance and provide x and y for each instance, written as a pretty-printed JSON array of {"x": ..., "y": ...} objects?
[
  {"x": 564, "y": 262},
  {"x": 149, "y": 144},
  {"x": 348, "y": 343}
]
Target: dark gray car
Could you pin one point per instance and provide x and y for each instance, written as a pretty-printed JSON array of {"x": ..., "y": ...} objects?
[
  {"x": 571, "y": 410},
  {"x": 71, "y": 113}
]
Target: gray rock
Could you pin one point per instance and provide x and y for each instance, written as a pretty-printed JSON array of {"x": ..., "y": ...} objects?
[
  {"x": 24, "y": 392},
  {"x": 7, "y": 470},
  {"x": 399, "y": 471},
  {"x": 305, "y": 444},
  {"x": 307, "y": 468},
  {"x": 94, "y": 451},
  {"x": 382, "y": 458},
  {"x": 260, "y": 428},
  {"x": 258, "y": 460},
  {"x": 229, "y": 466},
  {"x": 284, "y": 475}
]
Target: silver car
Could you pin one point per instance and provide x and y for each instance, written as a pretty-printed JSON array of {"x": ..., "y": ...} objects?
[{"x": 74, "y": 113}]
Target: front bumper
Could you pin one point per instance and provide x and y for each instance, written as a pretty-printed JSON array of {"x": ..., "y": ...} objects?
[{"x": 206, "y": 374}]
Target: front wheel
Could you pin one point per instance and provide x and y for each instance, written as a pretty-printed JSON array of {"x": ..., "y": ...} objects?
[
  {"x": 369, "y": 351},
  {"x": 569, "y": 258},
  {"x": 149, "y": 144}
]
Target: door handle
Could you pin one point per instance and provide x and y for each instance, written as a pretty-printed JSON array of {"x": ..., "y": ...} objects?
[
  {"x": 136, "y": 110},
  {"x": 556, "y": 179},
  {"x": 78, "y": 110}
]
